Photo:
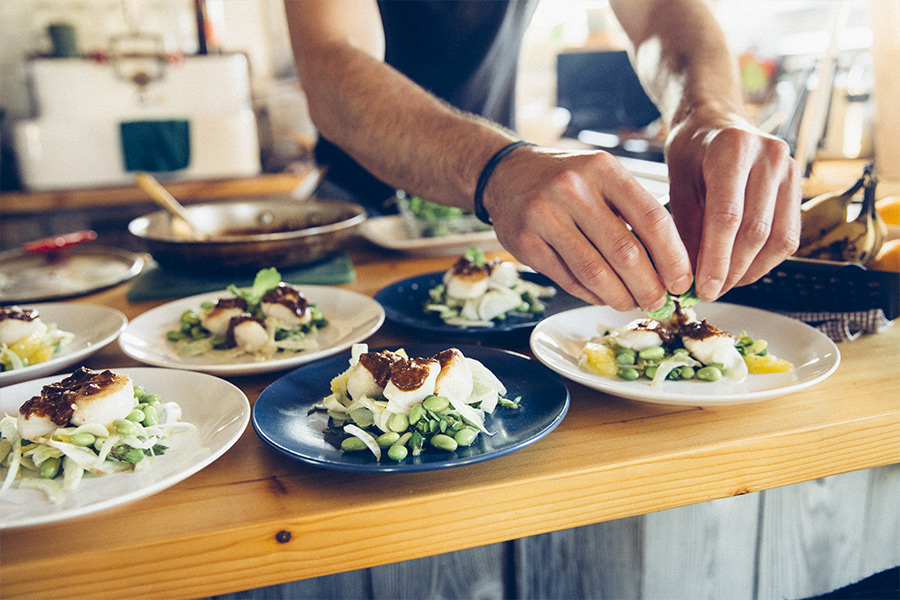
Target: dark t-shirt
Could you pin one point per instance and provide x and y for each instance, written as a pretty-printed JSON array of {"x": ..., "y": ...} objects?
[{"x": 463, "y": 51}]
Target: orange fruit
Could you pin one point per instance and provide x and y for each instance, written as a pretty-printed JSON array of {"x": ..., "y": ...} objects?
[
  {"x": 888, "y": 258},
  {"x": 889, "y": 209},
  {"x": 600, "y": 358},
  {"x": 767, "y": 364}
]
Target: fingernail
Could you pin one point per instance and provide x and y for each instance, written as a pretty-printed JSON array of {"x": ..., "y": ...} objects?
[
  {"x": 681, "y": 285},
  {"x": 709, "y": 289}
]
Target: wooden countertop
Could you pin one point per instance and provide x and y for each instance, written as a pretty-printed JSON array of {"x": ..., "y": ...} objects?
[{"x": 255, "y": 518}]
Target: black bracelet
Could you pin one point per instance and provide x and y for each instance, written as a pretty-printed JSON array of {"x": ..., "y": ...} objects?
[{"x": 485, "y": 176}]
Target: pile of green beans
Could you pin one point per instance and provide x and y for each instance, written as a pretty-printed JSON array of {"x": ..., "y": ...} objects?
[{"x": 431, "y": 424}]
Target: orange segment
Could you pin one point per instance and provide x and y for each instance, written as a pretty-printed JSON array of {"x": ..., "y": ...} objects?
[
  {"x": 767, "y": 364},
  {"x": 889, "y": 209},
  {"x": 600, "y": 358},
  {"x": 888, "y": 258}
]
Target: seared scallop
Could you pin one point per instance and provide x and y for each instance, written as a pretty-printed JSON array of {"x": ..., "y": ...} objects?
[
  {"x": 465, "y": 280},
  {"x": 455, "y": 377},
  {"x": 86, "y": 396},
  {"x": 370, "y": 374},
  {"x": 411, "y": 382},
  {"x": 16, "y": 324},
  {"x": 641, "y": 334},
  {"x": 218, "y": 318},
  {"x": 287, "y": 305},
  {"x": 247, "y": 333},
  {"x": 709, "y": 344}
]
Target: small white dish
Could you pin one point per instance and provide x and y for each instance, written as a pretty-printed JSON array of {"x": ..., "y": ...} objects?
[
  {"x": 94, "y": 327},
  {"x": 557, "y": 342},
  {"x": 390, "y": 232},
  {"x": 352, "y": 317},
  {"x": 219, "y": 410}
]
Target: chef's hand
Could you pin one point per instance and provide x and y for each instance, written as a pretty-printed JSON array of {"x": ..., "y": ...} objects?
[
  {"x": 735, "y": 196},
  {"x": 565, "y": 215}
]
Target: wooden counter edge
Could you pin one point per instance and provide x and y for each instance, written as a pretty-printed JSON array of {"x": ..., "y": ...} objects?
[{"x": 261, "y": 554}]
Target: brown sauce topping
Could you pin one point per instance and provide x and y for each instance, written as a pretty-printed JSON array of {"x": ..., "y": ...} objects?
[
  {"x": 235, "y": 302},
  {"x": 409, "y": 375},
  {"x": 656, "y": 327},
  {"x": 446, "y": 357},
  {"x": 699, "y": 330},
  {"x": 57, "y": 400},
  {"x": 288, "y": 296},
  {"x": 230, "y": 342},
  {"x": 466, "y": 268},
  {"x": 379, "y": 365},
  {"x": 14, "y": 312}
]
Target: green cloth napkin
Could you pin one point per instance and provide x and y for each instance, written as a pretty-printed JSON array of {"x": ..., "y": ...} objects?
[{"x": 156, "y": 282}]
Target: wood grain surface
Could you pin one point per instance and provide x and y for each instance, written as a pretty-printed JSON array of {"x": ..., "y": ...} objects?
[{"x": 226, "y": 528}]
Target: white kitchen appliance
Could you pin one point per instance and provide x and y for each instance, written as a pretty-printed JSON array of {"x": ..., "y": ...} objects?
[{"x": 100, "y": 120}]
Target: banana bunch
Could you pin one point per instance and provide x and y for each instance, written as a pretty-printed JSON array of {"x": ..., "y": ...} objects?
[{"x": 827, "y": 234}]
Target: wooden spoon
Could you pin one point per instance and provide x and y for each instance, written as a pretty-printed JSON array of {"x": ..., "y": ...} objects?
[{"x": 181, "y": 220}]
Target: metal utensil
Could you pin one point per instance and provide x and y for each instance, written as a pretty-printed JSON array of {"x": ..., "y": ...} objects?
[{"x": 182, "y": 226}]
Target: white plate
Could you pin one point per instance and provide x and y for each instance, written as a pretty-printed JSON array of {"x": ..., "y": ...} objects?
[
  {"x": 557, "y": 342},
  {"x": 218, "y": 409},
  {"x": 94, "y": 327},
  {"x": 352, "y": 317},
  {"x": 390, "y": 232}
]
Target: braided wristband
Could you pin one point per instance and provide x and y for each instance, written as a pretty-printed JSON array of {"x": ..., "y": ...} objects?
[{"x": 485, "y": 176}]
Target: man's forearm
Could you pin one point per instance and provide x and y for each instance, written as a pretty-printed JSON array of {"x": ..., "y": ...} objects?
[
  {"x": 681, "y": 57},
  {"x": 396, "y": 130}
]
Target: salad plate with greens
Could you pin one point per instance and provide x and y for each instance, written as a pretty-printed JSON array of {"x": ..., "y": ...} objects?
[
  {"x": 268, "y": 327},
  {"x": 186, "y": 421},
  {"x": 476, "y": 404}
]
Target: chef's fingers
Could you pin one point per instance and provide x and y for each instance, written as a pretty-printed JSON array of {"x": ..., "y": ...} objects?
[
  {"x": 784, "y": 238},
  {"x": 725, "y": 170}
]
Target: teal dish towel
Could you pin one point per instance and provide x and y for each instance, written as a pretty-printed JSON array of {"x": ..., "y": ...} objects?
[{"x": 156, "y": 146}]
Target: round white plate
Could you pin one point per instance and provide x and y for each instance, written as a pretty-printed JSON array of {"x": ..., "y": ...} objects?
[
  {"x": 218, "y": 409},
  {"x": 390, "y": 232},
  {"x": 352, "y": 317},
  {"x": 557, "y": 342},
  {"x": 94, "y": 327}
]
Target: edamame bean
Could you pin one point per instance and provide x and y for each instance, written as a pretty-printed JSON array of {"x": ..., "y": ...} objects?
[
  {"x": 629, "y": 373},
  {"x": 444, "y": 442},
  {"x": 397, "y": 452},
  {"x": 151, "y": 416},
  {"x": 139, "y": 392},
  {"x": 403, "y": 439},
  {"x": 464, "y": 437},
  {"x": 757, "y": 347},
  {"x": 49, "y": 468},
  {"x": 151, "y": 399},
  {"x": 353, "y": 444},
  {"x": 386, "y": 440},
  {"x": 650, "y": 372},
  {"x": 136, "y": 415},
  {"x": 398, "y": 423},
  {"x": 709, "y": 373},
  {"x": 625, "y": 356},
  {"x": 125, "y": 427},
  {"x": 652, "y": 353},
  {"x": 680, "y": 351},
  {"x": 83, "y": 439},
  {"x": 436, "y": 403},
  {"x": 687, "y": 372},
  {"x": 416, "y": 413}
]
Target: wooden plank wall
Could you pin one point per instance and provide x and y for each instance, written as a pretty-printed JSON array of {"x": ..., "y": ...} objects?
[{"x": 786, "y": 543}]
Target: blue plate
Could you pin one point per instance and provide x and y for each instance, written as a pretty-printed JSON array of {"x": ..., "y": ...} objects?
[
  {"x": 283, "y": 419},
  {"x": 403, "y": 303}
]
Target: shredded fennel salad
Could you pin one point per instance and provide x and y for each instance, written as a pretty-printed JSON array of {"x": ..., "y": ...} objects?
[
  {"x": 194, "y": 339},
  {"x": 34, "y": 348},
  {"x": 57, "y": 464},
  {"x": 439, "y": 423}
]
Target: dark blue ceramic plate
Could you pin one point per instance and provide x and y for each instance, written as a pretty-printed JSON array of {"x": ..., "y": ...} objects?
[
  {"x": 403, "y": 303},
  {"x": 282, "y": 418}
]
